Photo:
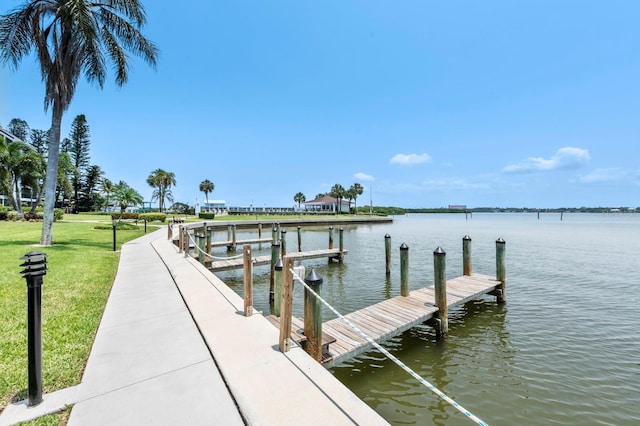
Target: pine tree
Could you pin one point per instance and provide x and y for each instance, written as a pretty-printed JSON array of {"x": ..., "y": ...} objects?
[{"x": 78, "y": 150}]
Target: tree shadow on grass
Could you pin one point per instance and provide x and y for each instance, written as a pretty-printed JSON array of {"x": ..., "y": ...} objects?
[{"x": 74, "y": 245}]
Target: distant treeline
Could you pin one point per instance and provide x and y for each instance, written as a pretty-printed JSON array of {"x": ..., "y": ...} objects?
[{"x": 381, "y": 210}]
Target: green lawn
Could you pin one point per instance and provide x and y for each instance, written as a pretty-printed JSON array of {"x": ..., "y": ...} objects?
[{"x": 81, "y": 269}]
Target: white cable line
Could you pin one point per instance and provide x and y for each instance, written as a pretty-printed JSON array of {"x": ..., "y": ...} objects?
[
  {"x": 211, "y": 256},
  {"x": 385, "y": 352}
]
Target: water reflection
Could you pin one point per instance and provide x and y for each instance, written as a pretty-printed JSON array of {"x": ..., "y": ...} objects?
[
  {"x": 457, "y": 365},
  {"x": 553, "y": 359}
]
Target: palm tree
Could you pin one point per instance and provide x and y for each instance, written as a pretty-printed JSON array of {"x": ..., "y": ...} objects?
[
  {"x": 338, "y": 192},
  {"x": 20, "y": 166},
  {"x": 207, "y": 187},
  {"x": 126, "y": 196},
  {"x": 299, "y": 198},
  {"x": 355, "y": 190},
  {"x": 107, "y": 189},
  {"x": 70, "y": 38},
  {"x": 162, "y": 180}
]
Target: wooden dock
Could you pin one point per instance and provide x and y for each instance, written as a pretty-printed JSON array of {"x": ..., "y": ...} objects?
[
  {"x": 394, "y": 316},
  {"x": 230, "y": 243},
  {"x": 397, "y": 315},
  {"x": 297, "y": 335},
  {"x": 238, "y": 263}
]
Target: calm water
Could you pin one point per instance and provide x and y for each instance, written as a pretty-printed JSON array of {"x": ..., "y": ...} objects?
[{"x": 564, "y": 350}]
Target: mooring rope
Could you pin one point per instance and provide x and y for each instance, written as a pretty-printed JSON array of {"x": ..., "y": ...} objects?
[
  {"x": 385, "y": 352},
  {"x": 210, "y": 255}
]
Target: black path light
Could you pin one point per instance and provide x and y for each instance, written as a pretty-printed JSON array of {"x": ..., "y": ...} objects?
[
  {"x": 35, "y": 267},
  {"x": 114, "y": 224}
]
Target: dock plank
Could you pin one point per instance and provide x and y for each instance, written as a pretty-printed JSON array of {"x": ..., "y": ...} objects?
[
  {"x": 218, "y": 265},
  {"x": 396, "y": 315}
]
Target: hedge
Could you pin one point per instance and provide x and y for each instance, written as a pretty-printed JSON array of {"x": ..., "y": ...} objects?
[
  {"x": 124, "y": 216},
  {"x": 10, "y": 214},
  {"x": 153, "y": 217},
  {"x": 206, "y": 215}
]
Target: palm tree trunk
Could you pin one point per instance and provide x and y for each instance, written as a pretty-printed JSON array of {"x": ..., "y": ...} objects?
[
  {"x": 34, "y": 204},
  {"x": 17, "y": 201},
  {"x": 46, "y": 237}
]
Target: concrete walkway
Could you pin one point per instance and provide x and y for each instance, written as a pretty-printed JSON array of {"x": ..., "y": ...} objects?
[{"x": 173, "y": 347}]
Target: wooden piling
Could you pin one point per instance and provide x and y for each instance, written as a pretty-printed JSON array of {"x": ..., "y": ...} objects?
[
  {"x": 200, "y": 244},
  {"x": 233, "y": 245},
  {"x": 313, "y": 316},
  {"x": 180, "y": 239},
  {"x": 404, "y": 270},
  {"x": 228, "y": 232},
  {"x": 169, "y": 230},
  {"x": 207, "y": 233},
  {"x": 341, "y": 245},
  {"x": 330, "y": 237},
  {"x": 466, "y": 255},
  {"x": 299, "y": 239},
  {"x": 440, "y": 281},
  {"x": 248, "y": 281},
  {"x": 387, "y": 253},
  {"x": 186, "y": 242},
  {"x": 275, "y": 255},
  {"x": 277, "y": 297},
  {"x": 501, "y": 274},
  {"x": 283, "y": 242},
  {"x": 274, "y": 234},
  {"x": 284, "y": 341},
  {"x": 259, "y": 230}
]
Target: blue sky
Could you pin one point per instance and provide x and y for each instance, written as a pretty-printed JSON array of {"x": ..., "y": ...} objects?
[{"x": 424, "y": 103}]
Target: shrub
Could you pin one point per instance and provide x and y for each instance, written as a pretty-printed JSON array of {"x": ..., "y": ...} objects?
[
  {"x": 153, "y": 217},
  {"x": 120, "y": 226},
  {"x": 13, "y": 215},
  {"x": 37, "y": 215},
  {"x": 58, "y": 214},
  {"x": 125, "y": 216},
  {"x": 206, "y": 215}
]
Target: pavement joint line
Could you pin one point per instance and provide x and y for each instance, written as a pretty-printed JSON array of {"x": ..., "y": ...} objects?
[
  {"x": 138, "y": 321},
  {"x": 146, "y": 379}
]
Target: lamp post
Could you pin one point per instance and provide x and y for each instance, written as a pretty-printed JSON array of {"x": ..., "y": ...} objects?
[
  {"x": 35, "y": 267},
  {"x": 114, "y": 224}
]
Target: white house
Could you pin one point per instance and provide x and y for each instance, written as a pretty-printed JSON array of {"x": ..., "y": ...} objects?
[{"x": 327, "y": 204}]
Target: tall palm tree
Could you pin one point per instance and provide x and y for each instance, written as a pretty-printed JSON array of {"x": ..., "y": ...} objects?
[
  {"x": 162, "y": 180},
  {"x": 107, "y": 189},
  {"x": 299, "y": 198},
  {"x": 356, "y": 190},
  {"x": 338, "y": 192},
  {"x": 207, "y": 187},
  {"x": 70, "y": 38}
]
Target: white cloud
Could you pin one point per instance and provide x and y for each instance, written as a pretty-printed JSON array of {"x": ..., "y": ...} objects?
[
  {"x": 604, "y": 175},
  {"x": 410, "y": 158},
  {"x": 363, "y": 176},
  {"x": 565, "y": 158}
]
